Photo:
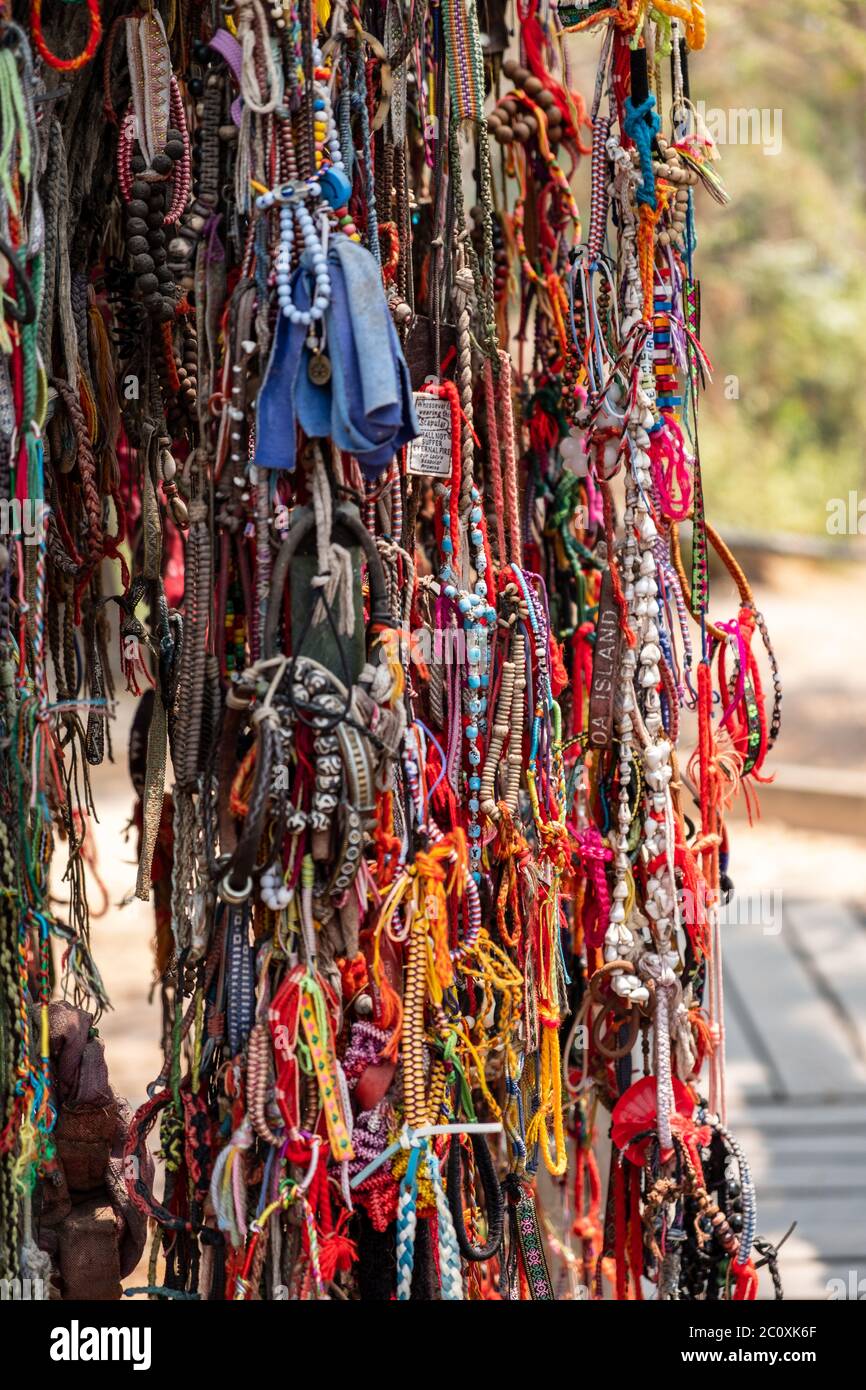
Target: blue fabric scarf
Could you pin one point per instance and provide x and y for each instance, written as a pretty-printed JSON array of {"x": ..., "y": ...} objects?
[{"x": 366, "y": 406}]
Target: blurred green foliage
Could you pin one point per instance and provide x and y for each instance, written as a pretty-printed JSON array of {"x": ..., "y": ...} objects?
[{"x": 783, "y": 267}]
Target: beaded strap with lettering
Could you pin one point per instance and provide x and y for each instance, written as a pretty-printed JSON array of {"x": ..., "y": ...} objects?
[{"x": 240, "y": 1010}]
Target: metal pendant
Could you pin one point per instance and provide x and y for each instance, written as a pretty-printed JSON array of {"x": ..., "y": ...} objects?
[{"x": 319, "y": 369}]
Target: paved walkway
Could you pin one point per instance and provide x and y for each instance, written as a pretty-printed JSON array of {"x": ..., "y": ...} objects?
[
  {"x": 795, "y": 987},
  {"x": 795, "y": 944}
]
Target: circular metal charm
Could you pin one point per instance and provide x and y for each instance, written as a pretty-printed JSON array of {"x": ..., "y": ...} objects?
[{"x": 319, "y": 369}]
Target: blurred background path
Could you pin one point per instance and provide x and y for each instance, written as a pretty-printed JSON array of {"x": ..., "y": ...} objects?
[{"x": 795, "y": 941}]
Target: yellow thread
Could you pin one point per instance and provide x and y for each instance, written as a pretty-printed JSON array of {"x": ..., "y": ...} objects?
[{"x": 550, "y": 1087}]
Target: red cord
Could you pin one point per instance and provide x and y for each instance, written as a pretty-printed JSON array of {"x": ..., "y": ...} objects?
[{"x": 87, "y": 53}]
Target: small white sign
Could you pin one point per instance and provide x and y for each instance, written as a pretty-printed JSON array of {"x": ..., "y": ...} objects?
[{"x": 429, "y": 456}]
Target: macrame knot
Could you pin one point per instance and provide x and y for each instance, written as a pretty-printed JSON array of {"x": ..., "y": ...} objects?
[
  {"x": 659, "y": 968},
  {"x": 642, "y": 124},
  {"x": 464, "y": 281}
]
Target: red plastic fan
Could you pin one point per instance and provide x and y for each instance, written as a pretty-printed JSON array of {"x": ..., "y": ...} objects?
[{"x": 637, "y": 1111}]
